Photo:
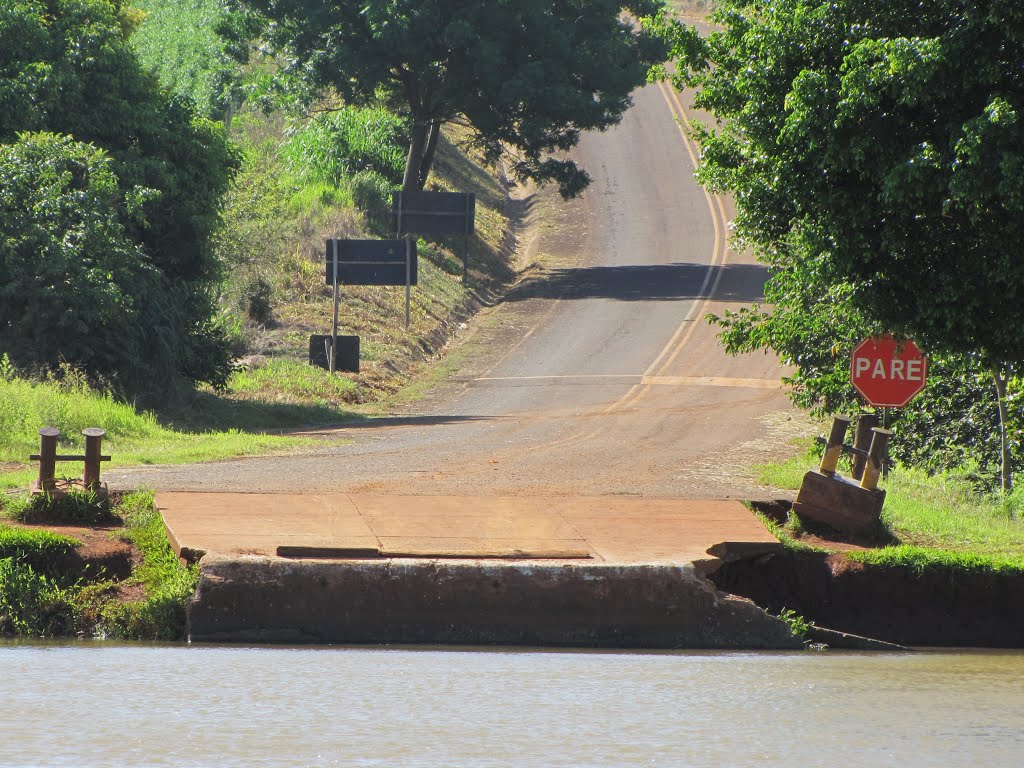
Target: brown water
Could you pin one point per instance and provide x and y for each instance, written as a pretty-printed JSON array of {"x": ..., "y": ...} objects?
[{"x": 97, "y": 704}]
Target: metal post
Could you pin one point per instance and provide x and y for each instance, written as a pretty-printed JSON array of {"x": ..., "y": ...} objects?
[
  {"x": 408, "y": 278},
  {"x": 834, "y": 447},
  {"x": 876, "y": 458},
  {"x": 885, "y": 456},
  {"x": 865, "y": 423},
  {"x": 48, "y": 458},
  {"x": 465, "y": 242},
  {"x": 93, "y": 443},
  {"x": 334, "y": 330}
]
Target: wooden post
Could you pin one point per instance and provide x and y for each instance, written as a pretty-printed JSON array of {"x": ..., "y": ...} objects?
[
  {"x": 876, "y": 458},
  {"x": 48, "y": 458},
  {"x": 93, "y": 443},
  {"x": 834, "y": 447},
  {"x": 862, "y": 442}
]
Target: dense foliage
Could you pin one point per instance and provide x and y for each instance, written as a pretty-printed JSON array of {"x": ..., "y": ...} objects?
[
  {"x": 339, "y": 144},
  {"x": 145, "y": 221},
  {"x": 875, "y": 155},
  {"x": 178, "y": 41},
  {"x": 529, "y": 76}
]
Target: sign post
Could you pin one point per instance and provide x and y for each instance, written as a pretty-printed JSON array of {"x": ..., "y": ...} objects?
[{"x": 367, "y": 262}]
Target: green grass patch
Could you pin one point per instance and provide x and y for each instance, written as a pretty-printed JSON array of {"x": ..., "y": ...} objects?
[
  {"x": 32, "y": 546},
  {"x": 36, "y": 599},
  {"x": 76, "y": 508},
  {"x": 135, "y": 437},
  {"x": 920, "y": 560},
  {"x": 167, "y": 584},
  {"x": 936, "y": 519},
  {"x": 294, "y": 382}
]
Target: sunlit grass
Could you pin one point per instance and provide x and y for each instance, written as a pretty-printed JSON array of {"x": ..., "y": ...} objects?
[
  {"x": 133, "y": 437},
  {"x": 291, "y": 381},
  {"x": 938, "y": 514}
]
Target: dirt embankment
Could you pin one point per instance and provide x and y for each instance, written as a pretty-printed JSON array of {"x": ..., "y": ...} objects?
[{"x": 936, "y": 607}]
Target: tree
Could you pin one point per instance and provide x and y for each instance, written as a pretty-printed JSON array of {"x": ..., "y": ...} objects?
[
  {"x": 875, "y": 153},
  {"x": 529, "y": 75},
  {"x": 67, "y": 67},
  {"x": 70, "y": 277}
]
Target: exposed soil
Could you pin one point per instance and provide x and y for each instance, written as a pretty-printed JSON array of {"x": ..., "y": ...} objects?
[
  {"x": 935, "y": 607},
  {"x": 103, "y": 554}
]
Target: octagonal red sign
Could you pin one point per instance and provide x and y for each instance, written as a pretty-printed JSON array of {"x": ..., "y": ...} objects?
[{"x": 888, "y": 372}]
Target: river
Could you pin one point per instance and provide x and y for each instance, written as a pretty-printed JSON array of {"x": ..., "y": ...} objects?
[{"x": 106, "y": 704}]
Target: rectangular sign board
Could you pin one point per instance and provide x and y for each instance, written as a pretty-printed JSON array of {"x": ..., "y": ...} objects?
[
  {"x": 346, "y": 355},
  {"x": 372, "y": 262},
  {"x": 433, "y": 213}
]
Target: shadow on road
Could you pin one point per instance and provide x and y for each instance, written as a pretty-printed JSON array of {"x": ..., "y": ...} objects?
[
  {"x": 380, "y": 422},
  {"x": 657, "y": 282}
]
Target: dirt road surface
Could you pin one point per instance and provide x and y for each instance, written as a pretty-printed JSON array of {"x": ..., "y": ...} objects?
[{"x": 598, "y": 374}]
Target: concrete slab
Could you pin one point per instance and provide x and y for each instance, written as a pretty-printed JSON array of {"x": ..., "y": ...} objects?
[{"x": 617, "y": 530}]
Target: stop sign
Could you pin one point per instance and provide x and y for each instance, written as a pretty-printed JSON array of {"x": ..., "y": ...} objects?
[{"x": 887, "y": 372}]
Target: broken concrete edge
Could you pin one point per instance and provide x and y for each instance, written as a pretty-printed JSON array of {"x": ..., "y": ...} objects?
[{"x": 253, "y": 599}]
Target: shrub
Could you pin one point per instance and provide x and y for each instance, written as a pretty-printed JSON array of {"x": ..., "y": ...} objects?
[
  {"x": 335, "y": 145},
  {"x": 32, "y": 604}
]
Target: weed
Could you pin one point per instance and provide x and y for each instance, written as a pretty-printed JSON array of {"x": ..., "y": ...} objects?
[
  {"x": 32, "y": 604},
  {"x": 798, "y": 625},
  {"x": 76, "y": 507},
  {"x": 168, "y": 584}
]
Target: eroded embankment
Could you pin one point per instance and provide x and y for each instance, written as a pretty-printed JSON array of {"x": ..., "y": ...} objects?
[{"x": 931, "y": 607}]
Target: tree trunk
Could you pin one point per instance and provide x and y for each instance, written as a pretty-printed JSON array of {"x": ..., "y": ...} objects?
[
  {"x": 434, "y": 133},
  {"x": 1004, "y": 447},
  {"x": 414, "y": 161}
]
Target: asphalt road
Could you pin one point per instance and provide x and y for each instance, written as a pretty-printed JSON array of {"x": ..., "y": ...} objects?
[{"x": 597, "y": 375}]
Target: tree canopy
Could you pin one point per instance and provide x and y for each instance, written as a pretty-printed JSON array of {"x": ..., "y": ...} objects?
[
  {"x": 67, "y": 69},
  {"x": 875, "y": 154},
  {"x": 529, "y": 75},
  {"x": 876, "y": 151}
]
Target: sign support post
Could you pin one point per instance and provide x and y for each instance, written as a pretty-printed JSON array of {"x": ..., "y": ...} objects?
[
  {"x": 408, "y": 278},
  {"x": 334, "y": 330}
]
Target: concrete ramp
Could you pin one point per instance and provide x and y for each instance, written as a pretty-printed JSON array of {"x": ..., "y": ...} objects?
[
  {"x": 350, "y": 568},
  {"x": 620, "y": 530}
]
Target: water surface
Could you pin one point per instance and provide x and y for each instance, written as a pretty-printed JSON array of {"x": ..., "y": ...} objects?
[{"x": 100, "y": 704}]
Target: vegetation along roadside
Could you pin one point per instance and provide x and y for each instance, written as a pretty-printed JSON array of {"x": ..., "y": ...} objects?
[
  {"x": 944, "y": 566},
  {"x": 90, "y": 567}
]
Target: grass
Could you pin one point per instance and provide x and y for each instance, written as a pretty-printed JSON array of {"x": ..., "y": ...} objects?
[
  {"x": 934, "y": 520},
  {"x": 37, "y": 600},
  {"x": 77, "y": 508},
  {"x": 33, "y": 546},
  {"x": 167, "y": 584},
  {"x": 133, "y": 437}
]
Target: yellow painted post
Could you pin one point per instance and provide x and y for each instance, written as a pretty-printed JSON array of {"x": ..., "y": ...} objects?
[
  {"x": 834, "y": 447},
  {"x": 876, "y": 458},
  {"x": 865, "y": 423}
]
